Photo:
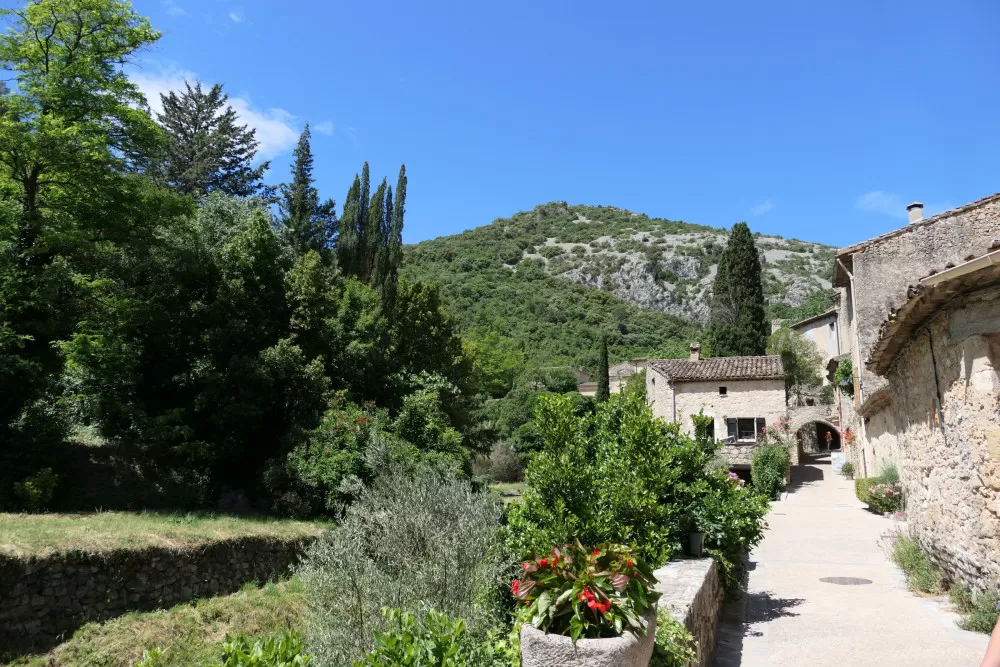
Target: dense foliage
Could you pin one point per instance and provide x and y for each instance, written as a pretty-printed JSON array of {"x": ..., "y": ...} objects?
[
  {"x": 801, "y": 362},
  {"x": 579, "y": 591},
  {"x": 414, "y": 540},
  {"x": 844, "y": 376},
  {"x": 431, "y": 640},
  {"x": 738, "y": 325},
  {"x": 146, "y": 297},
  {"x": 624, "y": 477}
]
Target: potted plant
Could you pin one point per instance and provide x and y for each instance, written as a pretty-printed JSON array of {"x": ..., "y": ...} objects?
[
  {"x": 593, "y": 606},
  {"x": 695, "y": 523}
]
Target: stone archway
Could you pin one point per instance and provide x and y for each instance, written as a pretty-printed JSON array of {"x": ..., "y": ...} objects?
[{"x": 818, "y": 436}]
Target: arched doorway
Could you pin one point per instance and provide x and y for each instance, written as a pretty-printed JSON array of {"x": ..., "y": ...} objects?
[{"x": 817, "y": 437}]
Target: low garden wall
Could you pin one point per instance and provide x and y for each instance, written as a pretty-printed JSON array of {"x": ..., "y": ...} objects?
[
  {"x": 692, "y": 591},
  {"x": 44, "y": 597}
]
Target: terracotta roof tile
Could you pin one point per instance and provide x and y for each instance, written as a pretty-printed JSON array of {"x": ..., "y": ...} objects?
[{"x": 721, "y": 368}]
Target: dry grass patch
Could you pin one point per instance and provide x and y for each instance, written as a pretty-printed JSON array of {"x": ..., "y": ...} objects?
[
  {"x": 41, "y": 534},
  {"x": 190, "y": 634}
]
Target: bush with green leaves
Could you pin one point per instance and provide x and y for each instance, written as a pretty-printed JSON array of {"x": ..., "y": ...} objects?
[
  {"x": 432, "y": 640},
  {"x": 768, "y": 468},
  {"x": 35, "y": 491},
  {"x": 675, "y": 645},
  {"x": 581, "y": 591},
  {"x": 884, "y": 497},
  {"x": 414, "y": 540},
  {"x": 623, "y": 476},
  {"x": 979, "y": 611},
  {"x": 284, "y": 651},
  {"x": 847, "y": 470}
]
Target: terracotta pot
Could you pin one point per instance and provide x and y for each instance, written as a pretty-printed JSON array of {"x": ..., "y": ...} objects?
[{"x": 539, "y": 649}]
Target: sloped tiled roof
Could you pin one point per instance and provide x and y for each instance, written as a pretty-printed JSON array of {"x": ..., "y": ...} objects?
[
  {"x": 930, "y": 294},
  {"x": 721, "y": 368}
]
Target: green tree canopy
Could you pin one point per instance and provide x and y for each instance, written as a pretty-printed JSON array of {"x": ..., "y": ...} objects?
[
  {"x": 308, "y": 224},
  {"x": 737, "y": 323},
  {"x": 801, "y": 361},
  {"x": 207, "y": 149}
]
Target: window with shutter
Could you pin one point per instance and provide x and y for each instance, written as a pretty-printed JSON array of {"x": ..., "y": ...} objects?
[{"x": 761, "y": 423}]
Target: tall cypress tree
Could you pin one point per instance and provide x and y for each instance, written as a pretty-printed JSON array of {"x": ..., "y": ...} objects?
[
  {"x": 308, "y": 224},
  {"x": 374, "y": 234},
  {"x": 737, "y": 323},
  {"x": 207, "y": 149},
  {"x": 603, "y": 373},
  {"x": 350, "y": 233},
  {"x": 395, "y": 249}
]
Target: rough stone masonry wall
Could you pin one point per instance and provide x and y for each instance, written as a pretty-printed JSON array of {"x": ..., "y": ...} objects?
[
  {"x": 692, "y": 592},
  {"x": 888, "y": 265},
  {"x": 45, "y": 597},
  {"x": 951, "y": 457}
]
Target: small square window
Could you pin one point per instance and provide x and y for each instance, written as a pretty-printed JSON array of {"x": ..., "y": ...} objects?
[{"x": 722, "y": 391}]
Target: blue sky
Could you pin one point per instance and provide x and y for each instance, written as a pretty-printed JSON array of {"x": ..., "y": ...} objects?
[{"x": 818, "y": 122}]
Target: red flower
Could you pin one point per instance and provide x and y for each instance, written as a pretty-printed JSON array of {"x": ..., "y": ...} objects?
[
  {"x": 544, "y": 562},
  {"x": 597, "y": 552},
  {"x": 603, "y": 607},
  {"x": 592, "y": 604},
  {"x": 514, "y": 586},
  {"x": 525, "y": 566},
  {"x": 628, "y": 563}
]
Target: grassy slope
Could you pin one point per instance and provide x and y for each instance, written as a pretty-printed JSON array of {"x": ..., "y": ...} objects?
[
  {"x": 489, "y": 289},
  {"x": 38, "y": 534},
  {"x": 191, "y": 634}
]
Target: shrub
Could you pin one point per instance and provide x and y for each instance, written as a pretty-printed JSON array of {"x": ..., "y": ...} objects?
[
  {"x": 768, "y": 468},
  {"x": 621, "y": 476},
  {"x": 583, "y": 592},
  {"x": 921, "y": 574},
  {"x": 433, "y": 640},
  {"x": 550, "y": 251},
  {"x": 889, "y": 474},
  {"x": 675, "y": 645},
  {"x": 979, "y": 612},
  {"x": 861, "y": 486},
  {"x": 847, "y": 470},
  {"x": 283, "y": 651},
  {"x": 414, "y": 540},
  {"x": 885, "y": 497},
  {"x": 505, "y": 464},
  {"x": 36, "y": 490}
]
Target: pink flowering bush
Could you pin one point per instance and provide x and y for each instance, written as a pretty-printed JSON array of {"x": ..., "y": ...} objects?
[{"x": 886, "y": 497}]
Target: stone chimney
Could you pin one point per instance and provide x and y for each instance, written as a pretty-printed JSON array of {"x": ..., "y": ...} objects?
[
  {"x": 915, "y": 211},
  {"x": 695, "y": 351}
]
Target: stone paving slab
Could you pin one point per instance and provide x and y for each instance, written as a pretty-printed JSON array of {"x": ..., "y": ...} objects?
[{"x": 791, "y": 618}]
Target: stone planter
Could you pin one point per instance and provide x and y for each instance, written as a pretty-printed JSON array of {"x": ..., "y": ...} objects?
[
  {"x": 539, "y": 649},
  {"x": 697, "y": 544}
]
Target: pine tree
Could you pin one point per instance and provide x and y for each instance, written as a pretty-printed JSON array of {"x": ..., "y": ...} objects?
[
  {"x": 308, "y": 224},
  {"x": 737, "y": 323},
  {"x": 603, "y": 373},
  {"x": 207, "y": 150}
]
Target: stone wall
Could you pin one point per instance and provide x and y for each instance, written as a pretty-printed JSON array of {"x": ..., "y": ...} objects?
[
  {"x": 692, "y": 592},
  {"x": 744, "y": 398},
  {"x": 45, "y": 597},
  {"x": 946, "y": 405},
  {"x": 885, "y": 266}
]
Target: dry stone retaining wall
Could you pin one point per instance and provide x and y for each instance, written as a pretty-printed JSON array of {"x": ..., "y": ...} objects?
[
  {"x": 692, "y": 592},
  {"x": 45, "y": 597}
]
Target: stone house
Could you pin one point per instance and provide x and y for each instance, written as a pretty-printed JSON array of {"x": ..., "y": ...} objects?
[
  {"x": 620, "y": 373},
  {"x": 823, "y": 332},
  {"x": 920, "y": 307},
  {"x": 741, "y": 394},
  {"x": 874, "y": 277}
]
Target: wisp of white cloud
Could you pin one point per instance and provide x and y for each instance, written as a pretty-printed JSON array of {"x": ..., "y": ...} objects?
[
  {"x": 237, "y": 17},
  {"x": 274, "y": 127},
  {"x": 173, "y": 9},
  {"x": 326, "y": 127},
  {"x": 764, "y": 207},
  {"x": 879, "y": 201}
]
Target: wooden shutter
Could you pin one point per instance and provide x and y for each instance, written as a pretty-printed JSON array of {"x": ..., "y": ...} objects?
[
  {"x": 761, "y": 424},
  {"x": 732, "y": 430}
]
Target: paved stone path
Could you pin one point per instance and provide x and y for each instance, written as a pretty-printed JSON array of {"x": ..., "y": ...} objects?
[{"x": 790, "y": 618}]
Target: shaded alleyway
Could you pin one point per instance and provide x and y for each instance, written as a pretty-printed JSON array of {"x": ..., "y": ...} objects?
[{"x": 790, "y": 617}]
